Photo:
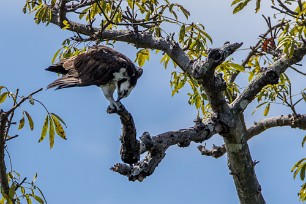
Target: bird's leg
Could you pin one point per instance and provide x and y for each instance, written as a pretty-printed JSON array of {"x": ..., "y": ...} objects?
[{"x": 108, "y": 91}]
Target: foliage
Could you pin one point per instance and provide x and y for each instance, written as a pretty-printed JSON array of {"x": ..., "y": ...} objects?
[
  {"x": 19, "y": 188},
  {"x": 159, "y": 18}
]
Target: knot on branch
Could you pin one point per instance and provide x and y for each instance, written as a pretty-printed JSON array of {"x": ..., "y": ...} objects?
[
  {"x": 146, "y": 142},
  {"x": 216, "y": 56},
  {"x": 220, "y": 84},
  {"x": 297, "y": 121},
  {"x": 272, "y": 76},
  {"x": 199, "y": 125},
  {"x": 142, "y": 169}
]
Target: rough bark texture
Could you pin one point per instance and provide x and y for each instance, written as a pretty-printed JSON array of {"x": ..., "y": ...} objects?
[
  {"x": 129, "y": 145},
  {"x": 3, "y": 177},
  {"x": 227, "y": 119}
]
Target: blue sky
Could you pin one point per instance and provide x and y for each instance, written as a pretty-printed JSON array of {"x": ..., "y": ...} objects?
[{"x": 77, "y": 170}]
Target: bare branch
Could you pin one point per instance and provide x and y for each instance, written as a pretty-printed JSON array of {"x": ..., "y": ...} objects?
[
  {"x": 22, "y": 101},
  {"x": 130, "y": 147},
  {"x": 156, "y": 147},
  {"x": 298, "y": 121},
  {"x": 286, "y": 8}
]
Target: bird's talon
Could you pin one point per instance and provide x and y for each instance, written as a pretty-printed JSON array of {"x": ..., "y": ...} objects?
[{"x": 114, "y": 108}]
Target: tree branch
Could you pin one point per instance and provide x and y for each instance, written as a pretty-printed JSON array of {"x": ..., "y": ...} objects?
[
  {"x": 22, "y": 101},
  {"x": 254, "y": 49},
  {"x": 130, "y": 146},
  {"x": 270, "y": 76},
  {"x": 298, "y": 121},
  {"x": 216, "y": 151},
  {"x": 156, "y": 147},
  {"x": 3, "y": 177}
]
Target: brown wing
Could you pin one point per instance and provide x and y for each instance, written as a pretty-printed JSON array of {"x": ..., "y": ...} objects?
[{"x": 94, "y": 67}]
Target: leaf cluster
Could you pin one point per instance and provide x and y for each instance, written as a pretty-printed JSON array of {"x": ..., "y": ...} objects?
[{"x": 22, "y": 191}]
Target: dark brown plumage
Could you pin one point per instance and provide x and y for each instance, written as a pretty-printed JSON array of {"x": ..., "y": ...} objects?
[
  {"x": 94, "y": 67},
  {"x": 101, "y": 66}
]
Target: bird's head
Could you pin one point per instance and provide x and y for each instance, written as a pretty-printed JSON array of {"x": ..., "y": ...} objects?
[{"x": 126, "y": 85}]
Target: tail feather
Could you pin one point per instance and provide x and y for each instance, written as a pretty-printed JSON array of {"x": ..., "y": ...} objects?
[{"x": 64, "y": 82}]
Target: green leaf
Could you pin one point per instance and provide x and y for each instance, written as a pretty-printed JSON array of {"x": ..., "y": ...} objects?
[
  {"x": 257, "y": 6},
  {"x": 12, "y": 191},
  {"x": 302, "y": 173},
  {"x": 66, "y": 24},
  {"x": 22, "y": 190},
  {"x": 55, "y": 55},
  {"x": 58, "y": 127},
  {"x": 31, "y": 123},
  {"x": 38, "y": 199},
  {"x": 53, "y": 3},
  {"x": 59, "y": 118},
  {"x": 304, "y": 140},
  {"x": 182, "y": 33},
  {"x": 240, "y": 6},
  {"x": 185, "y": 11},
  {"x": 165, "y": 60},
  {"x": 29, "y": 201},
  {"x": 51, "y": 133},
  {"x": 267, "y": 109},
  {"x": 238, "y": 67},
  {"x": 297, "y": 164},
  {"x": 143, "y": 55},
  {"x": 304, "y": 96},
  {"x": 235, "y": 2},
  {"x": 21, "y": 123},
  {"x": 44, "y": 129},
  {"x": 3, "y": 97}
]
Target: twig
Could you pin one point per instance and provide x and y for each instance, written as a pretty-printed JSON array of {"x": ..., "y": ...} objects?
[
  {"x": 12, "y": 115},
  {"x": 298, "y": 71},
  {"x": 216, "y": 151},
  {"x": 21, "y": 101},
  {"x": 255, "y": 48}
]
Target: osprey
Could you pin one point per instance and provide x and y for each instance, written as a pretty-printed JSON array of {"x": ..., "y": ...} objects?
[{"x": 101, "y": 66}]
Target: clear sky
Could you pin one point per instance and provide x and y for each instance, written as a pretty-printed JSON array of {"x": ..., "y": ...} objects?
[{"x": 77, "y": 170}]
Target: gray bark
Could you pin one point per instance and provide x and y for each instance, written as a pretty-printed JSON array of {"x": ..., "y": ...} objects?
[{"x": 227, "y": 119}]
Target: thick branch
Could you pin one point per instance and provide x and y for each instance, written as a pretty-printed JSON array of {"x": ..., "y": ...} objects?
[
  {"x": 270, "y": 76},
  {"x": 298, "y": 121},
  {"x": 144, "y": 40},
  {"x": 130, "y": 147},
  {"x": 156, "y": 147},
  {"x": 214, "y": 84},
  {"x": 215, "y": 57}
]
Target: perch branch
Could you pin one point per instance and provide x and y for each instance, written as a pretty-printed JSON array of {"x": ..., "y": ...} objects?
[
  {"x": 156, "y": 147},
  {"x": 130, "y": 146}
]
